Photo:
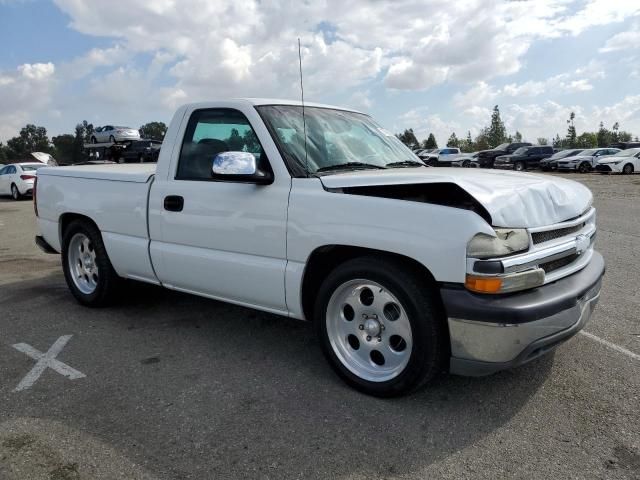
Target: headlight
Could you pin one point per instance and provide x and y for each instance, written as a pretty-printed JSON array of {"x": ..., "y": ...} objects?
[{"x": 506, "y": 242}]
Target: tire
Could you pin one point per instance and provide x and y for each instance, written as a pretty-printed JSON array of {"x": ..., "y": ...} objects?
[
  {"x": 418, "y": 335},
  {"x": 15, "y": 193},
  {"x": 627, "y": 169},
  {"x": 584, "y": 167},
  {"x": 112, "y": 139},
  {"x": 94, "y": 140},
  {"x": 92, "y": 279},
  {"x": 519, "y": 167},
  {"x": 466, "y": 164}
]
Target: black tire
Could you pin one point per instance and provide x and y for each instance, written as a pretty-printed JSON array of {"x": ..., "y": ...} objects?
[
  {"x": 15, "y": 193},
  {"x": 417, "y": 296},
  {"x": 112, "y": 139},
  {"x": 584, "y": 167},
  {"x": 519, "y": 167},
  {"x": 108, "y": 282},
  {"x": 627, "y": 169},
  {"x": 466, "y": 164}
]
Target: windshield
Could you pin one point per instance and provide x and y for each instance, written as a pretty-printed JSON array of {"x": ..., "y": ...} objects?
[
  {"x": 627, "y": 153},
  {"x": 586, "y": 153},
  {"x": 565, "y": 153},
  {"x": 31, "y": 168},
  {"x": 501, "y": 147},
  {"x": 334, "y": 137},
  {"x": 521, "y": 151}
]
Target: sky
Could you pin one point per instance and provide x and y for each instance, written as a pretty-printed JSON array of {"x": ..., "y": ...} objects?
[{"x": 433, "y": 65}]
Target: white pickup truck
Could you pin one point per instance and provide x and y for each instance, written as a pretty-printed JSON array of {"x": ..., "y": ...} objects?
[{"x": 405, "y": 270}]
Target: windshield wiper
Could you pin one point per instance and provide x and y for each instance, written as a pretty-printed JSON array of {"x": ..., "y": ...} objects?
[
  {"x": 406, "y": 163},
  {"x": 349, "y": 166}
]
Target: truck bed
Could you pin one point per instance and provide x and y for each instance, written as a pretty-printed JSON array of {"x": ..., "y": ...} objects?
[{"x": 134, "y": 172}]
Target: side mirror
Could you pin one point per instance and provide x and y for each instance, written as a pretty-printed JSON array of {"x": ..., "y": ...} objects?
[{"x": 239, "y": 167}]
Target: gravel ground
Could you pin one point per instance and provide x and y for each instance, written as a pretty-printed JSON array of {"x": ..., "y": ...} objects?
[{"x": 182, "y": 387}]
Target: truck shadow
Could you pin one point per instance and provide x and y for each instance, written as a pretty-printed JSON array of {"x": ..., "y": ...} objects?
[{"x": 250, "y": 394}]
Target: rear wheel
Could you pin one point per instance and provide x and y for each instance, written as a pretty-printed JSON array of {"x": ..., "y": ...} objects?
[
  {"x": 584, "y": 167},
  {"x": 15, "y": 193},
  {"x": 519, "y": 166},
  {"x": 627, "y": 169},
  {"x": 86, "y": 265},
  {"x": 466, "y": 164},
  {"x": 380, "y": 327}
]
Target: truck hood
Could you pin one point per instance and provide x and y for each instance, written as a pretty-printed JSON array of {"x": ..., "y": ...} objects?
[{"x": 513, "y": 199}]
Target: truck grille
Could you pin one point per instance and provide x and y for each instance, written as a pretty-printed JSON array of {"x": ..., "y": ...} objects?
[
  {"x": 549, "y": 267},
  {"x": 541, "y": 237}
]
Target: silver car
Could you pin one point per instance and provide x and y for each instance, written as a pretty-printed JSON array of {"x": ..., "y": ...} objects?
[{"x": 112, "y": 134}]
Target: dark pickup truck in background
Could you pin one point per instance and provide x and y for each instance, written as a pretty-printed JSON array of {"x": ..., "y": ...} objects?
[
  {"x": 524, "y": 158},
  {"x": 486, "y": 158}
]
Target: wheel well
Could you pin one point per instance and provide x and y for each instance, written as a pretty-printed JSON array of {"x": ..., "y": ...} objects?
[
  {"x": 66, "y": 219},
  {"x": 325, "y": 259}
]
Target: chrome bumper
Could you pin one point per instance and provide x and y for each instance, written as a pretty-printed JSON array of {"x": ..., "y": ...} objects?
[{"x": 526, "y": 326}]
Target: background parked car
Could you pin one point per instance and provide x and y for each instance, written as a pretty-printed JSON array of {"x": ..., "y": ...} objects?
[
  {"x": 524, "y": 158},
  {"x": 16, "y": 179},
  {"x": 441, "y": 157},
  {"x": 625, "y": 161},
  {"x": 551, "y": 163},
  {"x": 486, "y": 158},
  {"x": 586, "y": 160},
  {"x": 466, "y": 160},
  {"x": 112, "y": 134}
]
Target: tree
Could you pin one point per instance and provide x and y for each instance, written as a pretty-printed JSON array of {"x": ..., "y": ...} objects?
[
  {"x": 571, "y": 131},
  {"x": 453, "y": 141},
  {"x": 4, "y": 156},
  {"x": 517, "y": 137},
  {"x": 154, "y": 130},
  {"x": 430, "y": 142},
  {"x": 30, "y": 139},
  {"x": 467, "y": 145},
  {"x": 64, "y": 148},
  {"x": 408, "y": 138},
  {"x": 482, "y": 140},
  {"x": 496, "y": 133},
  {"x": 557, "y": 142},
  {"x": 587, "y": 140},
  {"x": 543, "y": 141},
  {"x": 603, "y": 136}
]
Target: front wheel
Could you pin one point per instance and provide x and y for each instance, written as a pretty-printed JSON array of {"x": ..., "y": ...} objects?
[
  {"x": 466, "y": 164},
  {"x": 15, "y": 193},
  {"x": 380, "y": 327},
  {"x": 584, "y": 167},
  {"x": 519, "y": 166},
  {"x": 86, "y": 265},
  {"x": 627, "y": 169}
]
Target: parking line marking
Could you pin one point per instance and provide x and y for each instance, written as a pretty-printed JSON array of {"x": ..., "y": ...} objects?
[
  {"x": 613, "y": 346},
  {"x": 46, "y": 360}
]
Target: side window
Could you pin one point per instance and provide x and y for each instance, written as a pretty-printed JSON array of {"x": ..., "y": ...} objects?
[
  {"x": 213, "y": 131},
  {"x": 12, "y": 170}
]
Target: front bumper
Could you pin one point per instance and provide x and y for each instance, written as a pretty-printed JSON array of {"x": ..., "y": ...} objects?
[
  {"x": 570, "y": 166},
  {"x": 495, "y": 332},
  {"x": 503, "y": 166}
]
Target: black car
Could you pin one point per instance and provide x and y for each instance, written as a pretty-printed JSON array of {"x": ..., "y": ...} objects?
[
  {"x": 140, "y": 151},
  {"x": 486, "y": 158},
  {"x": 524, "y": 158}
]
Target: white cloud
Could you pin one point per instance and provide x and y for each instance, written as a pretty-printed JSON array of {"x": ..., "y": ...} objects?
[{"x": 623, "y": 41}]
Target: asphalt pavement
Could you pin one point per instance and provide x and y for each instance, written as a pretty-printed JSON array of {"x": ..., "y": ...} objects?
[{"x": 170, "y": 386}]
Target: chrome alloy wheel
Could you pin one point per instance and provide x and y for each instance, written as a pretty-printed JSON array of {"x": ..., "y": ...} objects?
[
  {"x": 82, "y": 263},
  {"x": 369, "y": 330}
]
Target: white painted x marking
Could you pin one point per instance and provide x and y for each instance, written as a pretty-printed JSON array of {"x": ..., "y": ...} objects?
[{"x": 46, "y": 360}]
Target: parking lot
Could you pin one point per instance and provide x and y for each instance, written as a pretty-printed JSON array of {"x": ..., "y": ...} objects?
[{"x": 170, "y": 386}]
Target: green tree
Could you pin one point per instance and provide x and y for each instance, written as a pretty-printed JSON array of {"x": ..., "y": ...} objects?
[
  {"x": 482, "y": 140},
  {"x": 496, "y": 134},
  {"x": 603, "y": 136},
  {"x": 543, "y": 141},
  {"x": 30, "y": 139},
  {"x": 571, "y": 131},
  {"x": 517, "y": 137},
  {"x": 64, "y": 148},
  {"x": 587, "y": 140},
  {"x": 408, "y": 138},
  {"x": 430, "y": 142},
  {"x": 154, "y": 130},
  {"x": 453, "y": 141},
  {"x": 467, "y": 144},
  {"x": 557, "y": 142},
  {"x": 3, "y": 153}
]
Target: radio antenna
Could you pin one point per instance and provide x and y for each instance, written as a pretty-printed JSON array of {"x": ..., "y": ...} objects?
[{"x": 304, "y": 121}]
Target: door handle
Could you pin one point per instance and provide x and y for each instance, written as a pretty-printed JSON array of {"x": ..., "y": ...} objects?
[{"x": 173, "y": 203}]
